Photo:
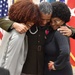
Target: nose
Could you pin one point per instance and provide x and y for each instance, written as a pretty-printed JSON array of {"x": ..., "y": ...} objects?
[{"x": 45, "y": 22}]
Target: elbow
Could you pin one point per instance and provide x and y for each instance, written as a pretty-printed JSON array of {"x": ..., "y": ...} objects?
[{"x": 65, "y": 52}]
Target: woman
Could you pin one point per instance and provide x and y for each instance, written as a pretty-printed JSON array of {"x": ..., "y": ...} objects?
[
  {"x": 57, "y": 50},
  {"x": 16, "y": 50}
]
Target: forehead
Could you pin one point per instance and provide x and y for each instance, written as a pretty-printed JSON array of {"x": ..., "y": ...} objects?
[
  {"x": 55, "y": 18},
  {"x": 45, "y": 16}
]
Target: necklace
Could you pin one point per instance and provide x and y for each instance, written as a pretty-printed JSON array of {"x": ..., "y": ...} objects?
[{"x": 33, "y": 32}]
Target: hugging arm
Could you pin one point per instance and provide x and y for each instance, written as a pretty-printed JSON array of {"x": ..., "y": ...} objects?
[
  {"x": 5, "y": 24},
  {"x": 68, "y": 31},
  {"x": 8, "y": 25}
]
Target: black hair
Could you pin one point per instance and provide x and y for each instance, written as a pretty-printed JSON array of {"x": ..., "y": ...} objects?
[
  {"x": 45, "y": 7},
  {"x": 61, "y": 11}
]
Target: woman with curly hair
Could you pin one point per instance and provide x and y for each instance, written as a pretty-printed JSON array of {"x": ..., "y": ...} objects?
[
  {"x": 24, "y": 11},
  {"x": 16, "y": 52},
  {"x": 57, "y": 49}
]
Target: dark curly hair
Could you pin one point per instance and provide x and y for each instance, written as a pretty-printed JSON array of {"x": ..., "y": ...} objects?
[
  {"x": 61, "y": 11},
  {"x": 23, "y": 11}
]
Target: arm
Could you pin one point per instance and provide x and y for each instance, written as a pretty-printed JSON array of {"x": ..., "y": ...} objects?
[
  {"x": 5, "y": 24},
  {"x": 15, "y": 52},
  {"x": 64, "y": 51},
  {"x": 8, "y": 25},
  {"x": 68, "y": 31}
]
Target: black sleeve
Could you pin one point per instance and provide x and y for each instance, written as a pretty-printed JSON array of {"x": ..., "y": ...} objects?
[
  {"x": 64, "y": 50},
  {"x": 4, "y": 71},
  {"x": 73, "y": 32}
]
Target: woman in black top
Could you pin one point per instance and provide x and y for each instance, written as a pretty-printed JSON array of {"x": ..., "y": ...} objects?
[{"x": 57, "y": 50}]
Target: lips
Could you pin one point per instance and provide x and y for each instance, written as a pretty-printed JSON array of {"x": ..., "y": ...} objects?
[{"x": 54, "y": 27}]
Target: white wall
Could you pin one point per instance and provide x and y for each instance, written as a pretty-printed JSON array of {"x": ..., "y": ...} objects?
[{"x": 36, "y": 1}]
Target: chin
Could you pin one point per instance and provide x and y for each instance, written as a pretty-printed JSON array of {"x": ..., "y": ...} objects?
[
  {"x": 54, "y": 28},
  {"x": 43, "y": 25}
]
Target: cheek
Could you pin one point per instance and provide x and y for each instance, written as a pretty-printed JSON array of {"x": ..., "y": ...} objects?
[
  {"x": 55, "y": 27},
  {"x": 58, "y": 26}
]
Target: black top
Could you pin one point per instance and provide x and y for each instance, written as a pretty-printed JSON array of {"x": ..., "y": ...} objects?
[
  {"x": 57, "y": 50},
  {"x": 4, "y": 71},
  {"x": 35, "y": 57}
]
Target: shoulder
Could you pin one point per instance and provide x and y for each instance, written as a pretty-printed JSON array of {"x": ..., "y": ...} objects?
[
  {"x": 57, "y": 33},
  {"x": 59, "y": 36}
]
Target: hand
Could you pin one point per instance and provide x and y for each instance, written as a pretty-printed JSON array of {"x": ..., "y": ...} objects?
[
  {"x": 21, "y": 28},
  {"x": 50, "y": 64},
  {"x": 65, "y": 30}
]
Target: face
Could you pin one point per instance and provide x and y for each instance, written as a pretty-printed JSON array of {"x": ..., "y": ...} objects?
[
  {"x": 45, "y": 19},
  {"x": 29, "y": 24},
  {"x": 56, "y": 23}
]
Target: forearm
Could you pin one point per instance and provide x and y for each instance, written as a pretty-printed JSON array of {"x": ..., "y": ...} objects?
[
  {"x": 73, "y": 32},
  {"x": 5, "y": 24},
  {"x": 8, "y": 25}
]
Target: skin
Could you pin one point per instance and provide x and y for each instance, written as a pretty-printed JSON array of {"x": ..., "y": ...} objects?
[
  {"x": 22, "y": 28},
  {"x": 45, "y": 19},
  {"x": 19, "y": 27},
  {"x": 65, "y": 31},
  {"x": 29, "y": 24}
]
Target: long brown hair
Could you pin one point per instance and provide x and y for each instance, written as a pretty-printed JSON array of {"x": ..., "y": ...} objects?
[{"x": 23, "y": 11}]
